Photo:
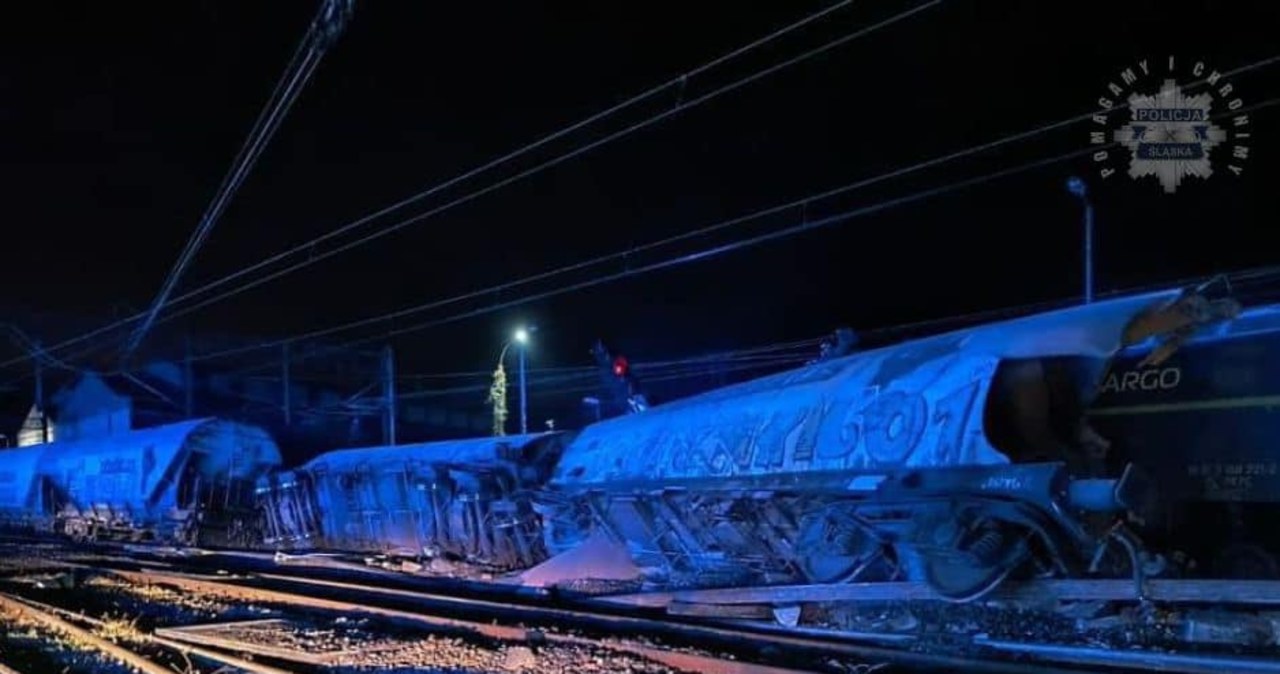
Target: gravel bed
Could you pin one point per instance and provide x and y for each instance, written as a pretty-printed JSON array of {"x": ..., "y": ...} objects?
[
  {"x": 449, "y": 654},
  {"x": 145, "y": 606},
  {"x": 26, "y": 646},
  {"x": 953, "y": 627},
  {"x": 348, "y": 645},
  {"x": 163, "y": 606}
]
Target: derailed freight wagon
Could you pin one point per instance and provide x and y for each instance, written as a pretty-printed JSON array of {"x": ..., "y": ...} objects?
[
  {"x": 465, "y": 499},
  {"x": 1206, "y": 424},
  {"x": 23, "y": 490},
  {"x": 189, "y": 483},
  {"x": 955, "y": 460}
]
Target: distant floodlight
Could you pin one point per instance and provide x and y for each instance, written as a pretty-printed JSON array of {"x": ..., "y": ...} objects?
[{"x": 522, "y": 336}]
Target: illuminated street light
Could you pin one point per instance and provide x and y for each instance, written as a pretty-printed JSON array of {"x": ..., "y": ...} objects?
[{"x": 521, "y": 338}]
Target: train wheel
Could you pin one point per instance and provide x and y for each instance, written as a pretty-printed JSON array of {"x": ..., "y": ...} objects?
[
  {"x": 832, "y": 548},
  {"x": 980, "y": 556}
]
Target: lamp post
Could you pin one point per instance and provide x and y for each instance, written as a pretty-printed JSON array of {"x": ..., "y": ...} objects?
[
  {"x": 1077, "y": 187},
  {"x": 522, "y": 338}
]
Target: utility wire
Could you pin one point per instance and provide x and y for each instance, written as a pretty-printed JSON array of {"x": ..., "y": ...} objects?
[
  {"x": 700, "y": 232},
  {"x": 679, "y": 260},
  {"x": 759, "y": 355},
  {"x": 768, "y": 356},
  {"x": 542, "y": 388},
  {"x": 706, "y": 230},
  {"x": 678, "y": 81},
  {"x": 308, "y": 246},
  {"x": 295, "y": 76},
  {"x": 314, "y": 258},
  {"x": 717, "y": 357},
  {"x": 752, "y": 241}
]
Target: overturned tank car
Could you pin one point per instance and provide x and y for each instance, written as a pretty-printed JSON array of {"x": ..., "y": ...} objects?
[
  {"x": 957, "y": 460},
  {"x": 23, "y": 490},
  {"x": 465, "y": 500},
  {"x": 189, "y": 483}
]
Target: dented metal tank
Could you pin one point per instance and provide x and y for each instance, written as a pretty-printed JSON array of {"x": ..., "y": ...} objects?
[
  {"x": 938, "y": 458},
  {"x": 920, "y": 403},
  {"x": 22, "y": 489}
]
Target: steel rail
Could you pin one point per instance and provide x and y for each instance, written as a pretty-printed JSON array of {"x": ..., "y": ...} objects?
[
  {"x": 498, "y": 620},
  {"x": 496, "y": 615}
]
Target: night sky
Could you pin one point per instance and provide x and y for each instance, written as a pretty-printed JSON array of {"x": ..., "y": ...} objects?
[{"x": 118, "y": 120}]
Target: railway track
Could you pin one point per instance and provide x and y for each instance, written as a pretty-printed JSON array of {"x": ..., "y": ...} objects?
[
  {"x": 724, "y": 626},
  {"x": 57, "y": 594},
  {"x": 733, "y": 634},
  {"x": 350, "y": 636},
  {"x": 71, "y": 641}
]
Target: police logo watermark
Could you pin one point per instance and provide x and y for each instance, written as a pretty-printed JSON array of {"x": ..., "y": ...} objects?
[{"x": 1169, "y": 124}]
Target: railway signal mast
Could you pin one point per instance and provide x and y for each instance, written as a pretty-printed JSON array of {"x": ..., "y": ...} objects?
[{"x": 622, "y": 390}]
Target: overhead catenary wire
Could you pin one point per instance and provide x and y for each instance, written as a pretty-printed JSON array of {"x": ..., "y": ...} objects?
[
  {"x": 733, "y": 363},
  {"x": 720, "y": 356},
  {"x": 705, "y": 230},
  {"x": 318, "y": 257},
  {"x": 554, "y": 381},
  {"x": 803, "y": 226},
  {"x": 677, "y": 81},
  {"x": 752, "y": 354},
  {"x": 790, "y": 205},
  {"x": 309, "y": 246},
  {"x": 730, "y": 362},
  {"x": 1239, "y": 278},
  {"x": 297, "y": 73},
  {"x": 548, "y": 388},
  {"x": 314, "y": 257}
]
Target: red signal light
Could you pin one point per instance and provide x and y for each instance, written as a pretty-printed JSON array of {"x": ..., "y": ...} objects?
[{"x": 620, "y": 366}]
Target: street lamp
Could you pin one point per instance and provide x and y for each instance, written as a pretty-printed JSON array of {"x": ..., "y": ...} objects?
[
  {"x": 1077, "y": 187},
  {"x": 521, "y": 338}
]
